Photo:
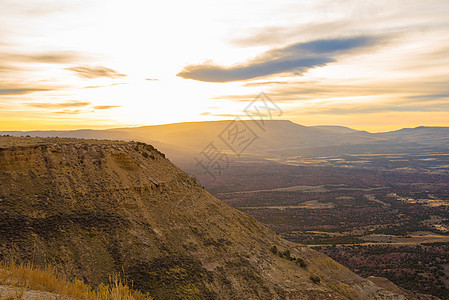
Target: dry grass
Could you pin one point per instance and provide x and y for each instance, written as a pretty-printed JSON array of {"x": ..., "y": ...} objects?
[{"x": 27, "y": 276}]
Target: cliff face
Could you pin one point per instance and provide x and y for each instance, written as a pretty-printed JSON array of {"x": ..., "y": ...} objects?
[{"x": 95, "y": 208}]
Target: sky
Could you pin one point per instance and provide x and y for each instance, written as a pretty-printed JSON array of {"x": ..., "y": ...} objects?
[{"x": 370, "y": 65}]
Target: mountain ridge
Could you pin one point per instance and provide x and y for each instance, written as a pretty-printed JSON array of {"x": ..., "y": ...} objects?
[{"x": 275, "y": 139}]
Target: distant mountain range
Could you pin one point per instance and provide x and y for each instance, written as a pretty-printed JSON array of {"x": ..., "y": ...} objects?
[{"x": 272, "y": 139}]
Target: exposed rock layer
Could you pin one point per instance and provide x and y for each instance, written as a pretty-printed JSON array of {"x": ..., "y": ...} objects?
[{"x": 95, "y": 208}]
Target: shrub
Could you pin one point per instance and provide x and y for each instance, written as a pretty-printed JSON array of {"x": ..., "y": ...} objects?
[
  {"x": 301, "y": 263},
  {"x": 314, "y": 278}
]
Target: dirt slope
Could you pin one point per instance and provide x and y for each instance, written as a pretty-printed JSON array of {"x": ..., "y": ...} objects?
[{"x": 94, "y": 208}]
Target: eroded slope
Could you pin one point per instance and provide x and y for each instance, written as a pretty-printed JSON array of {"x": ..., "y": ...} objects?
[{"x": 95, "y": 208}]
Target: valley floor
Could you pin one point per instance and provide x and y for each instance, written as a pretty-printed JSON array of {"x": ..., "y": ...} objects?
[{"x": 362, "y": 218}]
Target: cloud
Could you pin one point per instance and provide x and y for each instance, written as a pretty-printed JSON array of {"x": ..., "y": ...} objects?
[
  {"x": 369, "y": 109},
  {"x": 21, "y": 91},
  {"x": 68, "y": 107},
  {"x": 238, "y": 98},
  {"x": 276, "y": 35},
  {"x": 207, "y": 113},
  {"x": 213, "y": 73},
  {"x": 430, "y": 97},
  {"x": 106, "y": 106},
  {"x": 54, "y": 57},
  {"x": 94, "y": 86},
  {"x": 66, "y": 104},
  {"x": 41, "y": 8},
  {"x": 16, "y": 87},
  {"x": 7, "y": 68},
  {"x": 296, "y": 58},
  {"x": 95, "y": 72},
  {"x": 417, "y": 90},
  {"x": 259, "y": 83},
  {"x": 69, "y": 112},
  {"x": 151, "y": 79},
  {"x": 103, "y": 86}
]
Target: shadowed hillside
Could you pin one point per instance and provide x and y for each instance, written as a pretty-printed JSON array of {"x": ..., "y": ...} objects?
[{"x": 95, "y": 208}]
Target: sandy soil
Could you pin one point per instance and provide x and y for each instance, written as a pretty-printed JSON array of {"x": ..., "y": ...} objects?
[{"x": 12, "y": 292}]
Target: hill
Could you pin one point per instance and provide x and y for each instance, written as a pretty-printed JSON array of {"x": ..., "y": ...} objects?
[
  {"x": 336, "y": 128},
  {"x": 279, "y": 139},
  {"x": 96, "y": 208}
]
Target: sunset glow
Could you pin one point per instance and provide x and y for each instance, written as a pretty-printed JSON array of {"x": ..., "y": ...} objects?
[{"x": 369, "y": 65}]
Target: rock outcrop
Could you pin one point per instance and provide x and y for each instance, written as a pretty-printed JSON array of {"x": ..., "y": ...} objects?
[{"x": 96, "y": 208}]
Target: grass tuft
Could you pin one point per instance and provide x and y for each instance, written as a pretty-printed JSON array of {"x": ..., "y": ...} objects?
[{"x": 27, "y": 276}]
